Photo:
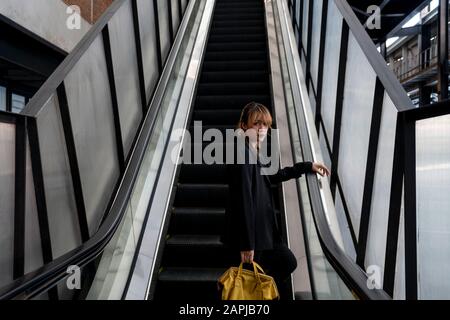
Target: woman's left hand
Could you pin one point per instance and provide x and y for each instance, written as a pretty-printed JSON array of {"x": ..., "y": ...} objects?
[{"x": 320, "y": 169}]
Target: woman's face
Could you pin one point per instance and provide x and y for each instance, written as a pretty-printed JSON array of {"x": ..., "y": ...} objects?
[{"x": 258, "y": 128}]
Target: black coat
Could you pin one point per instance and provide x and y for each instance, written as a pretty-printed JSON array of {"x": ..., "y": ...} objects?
[{"x": 251, "y": 222}]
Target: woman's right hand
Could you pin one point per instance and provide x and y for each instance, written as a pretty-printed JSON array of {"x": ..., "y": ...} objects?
[{"x": 247, "y": 256}]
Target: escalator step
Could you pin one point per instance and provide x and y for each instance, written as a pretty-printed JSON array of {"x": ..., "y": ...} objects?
[
  {"x": 202, "y": 173},
  {"x": 238, "y": 16},
  {"x": 241, "y": 23},
  {"x": 235, "y": 30},
  {"x": 221, "y": 116},
  {"x": 235, "y": 55},
  {"x": 191, "y": 250},
  {"x": 243, "y": 37},
  {"x": 240, "y": 10},
  {"x": 234, "y": 76},
  {"x": 230, "y": 101},
  {"x": 201, "y": 195},
  {"x": 197, "y": 220},
  {"x": 246, "y": 88},
  {"x": 237, "y": 65},
  {"x": 237, "y": 46},
  {"x": 201, "y": 283}
]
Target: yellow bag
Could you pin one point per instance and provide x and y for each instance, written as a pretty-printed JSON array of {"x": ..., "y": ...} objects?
[{"x": 242, "y": 284}]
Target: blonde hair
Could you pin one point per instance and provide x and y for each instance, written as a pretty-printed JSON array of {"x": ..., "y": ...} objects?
[{"x": 252, "y": 112}]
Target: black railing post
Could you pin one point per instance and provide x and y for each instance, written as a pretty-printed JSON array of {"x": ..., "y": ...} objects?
[
  {"x": 339, "y": 107},
  {"x": 323, "y": 33},
  {"x": 395, "y": 203},
  {"x": 19, "y": 198},
  {"x": 140, "y": 64},
  {"x": 115, "y": 104},
  {"x": 410, "y": 209},
  {"x": 73, "y": 161},
  {"x": 158, "y": 38},
  {"x": 370, "y": 173}
]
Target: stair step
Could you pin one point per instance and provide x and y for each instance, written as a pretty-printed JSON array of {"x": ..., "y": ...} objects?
[
  {"x": 205, "y": 251},
  {"x": 233, "y": 88},
  {"x": 230, "y": 101},
  {"x": 236, "y": 65},
  {"x": 233, "y": 76},
  {"x": 240, "y": 10},
  {"x": 190, "y": 274},
  {"x": 238, "y": 16},
  {"x": 236, "y": 46},
  {"x": 235, "y": 55},
  {"x": 242, "y": 23},
  {"x": 200, "y": 283},
  {"x": 203, "y": 173},
  {"x": 222, "y": 116},
  {"x": 201, "y": 195},
  {"x": 197, "y": 220},
  {"x": 243, "y": 37},
  {"x": 236, "y": 30}
]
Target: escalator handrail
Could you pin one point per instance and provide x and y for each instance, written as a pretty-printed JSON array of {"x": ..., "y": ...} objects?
[
  {"x": 47, "y": 276},
  {"x": 348, "y": 270}
]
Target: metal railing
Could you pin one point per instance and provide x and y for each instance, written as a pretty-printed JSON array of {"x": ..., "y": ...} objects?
[{"x": 415, "y": 65}]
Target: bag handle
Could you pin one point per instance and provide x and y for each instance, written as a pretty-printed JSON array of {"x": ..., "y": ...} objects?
[{"x": 256, "y": 267}]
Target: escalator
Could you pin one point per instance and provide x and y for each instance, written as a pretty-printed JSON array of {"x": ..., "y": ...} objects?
[
  {"x": 160, "y": 235},
  {"x": 235, "y": 72}
]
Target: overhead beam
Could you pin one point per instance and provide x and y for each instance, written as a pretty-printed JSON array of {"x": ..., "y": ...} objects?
[{"x": 406, "y": 32}]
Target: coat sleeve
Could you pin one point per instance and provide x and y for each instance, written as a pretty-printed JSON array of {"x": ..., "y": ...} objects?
[
  {"x": 245, "y": 224},
  {"x": 293, "y": 172}
]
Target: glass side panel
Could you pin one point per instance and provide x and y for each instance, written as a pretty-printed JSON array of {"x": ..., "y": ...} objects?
[
  {"x": 305, "y": 30},
  {"x": 355, "y": 128},
  {"x": 164, "y": 32},
  {"x": 175, "y": 17},
  {"x": 315, "y": 40},
  {"x": 124, "y": 56},
  {"x": 349, "y": 247},
  {"x": 59, "y": 193},
  {"x": 33, "y": 249},
  {"x": 148, "y": 45},
  {"x": 379, "y": 213},
  {"x": 331, "y": 69},
  {"x": 7, "y": 179},
  {"x": 433, "y": 203},
  {"x": 90, "y": 106}
]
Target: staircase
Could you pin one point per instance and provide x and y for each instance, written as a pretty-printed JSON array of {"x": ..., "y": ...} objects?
[{"x": 235, "y": 72}]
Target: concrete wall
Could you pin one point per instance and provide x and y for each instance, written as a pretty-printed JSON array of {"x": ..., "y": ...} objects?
[
  {"x": 45, "y": 18},
  {"x": 91, "y": 10}
]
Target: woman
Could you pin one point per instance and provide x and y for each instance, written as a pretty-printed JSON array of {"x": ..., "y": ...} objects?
[{"x": 251, "y": 223}]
